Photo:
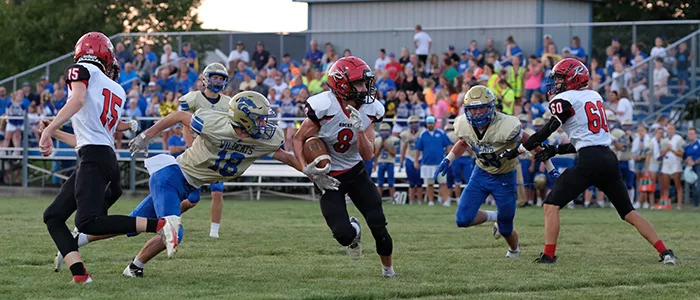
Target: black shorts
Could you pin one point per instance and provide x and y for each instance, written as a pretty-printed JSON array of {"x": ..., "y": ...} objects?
[{"x": 597, "y": 166}]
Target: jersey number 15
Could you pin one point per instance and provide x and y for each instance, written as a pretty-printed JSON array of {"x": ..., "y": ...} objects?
[{"x": 111, "y": 102}]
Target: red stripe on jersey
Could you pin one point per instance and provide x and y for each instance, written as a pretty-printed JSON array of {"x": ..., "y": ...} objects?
[
  {"x": 336, "y": 173},
  {"x": 327, "y": 118}
]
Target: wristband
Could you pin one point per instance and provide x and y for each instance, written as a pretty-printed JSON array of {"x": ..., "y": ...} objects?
[{"x": 451, "y": 156}]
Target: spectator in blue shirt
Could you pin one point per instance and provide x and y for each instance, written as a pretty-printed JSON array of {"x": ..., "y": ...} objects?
[
  {"x": 165, "y": 82},
  {"x": 473, "y": 51},
  {"x": 127, "y": 76},
  {"x": 123, "y": 56},
  {"x": 13, "y": 130},
  {"x": 176, "y": 142},
  {"x": 432, "y": 145},
  {"x": 298, "y": 86},
  {"x": 50, "y": 108},
  {"x": 287, "y": 63},
  {"x": 243, "y": 68},
  {"x": 46, "y": 84},
  {"x": 385, "y": 84},
  {"x": 546, "y": 40},
  {"x": 189, "y": 54},
  {"x": 536, "y": 108},
  {"x": 463, "y": 62},
  {"x": 184, "y": 82},
  {"x": 150, "y": 56},
  {"x": 313, "y": 56},
  {"x": 692, "y": 159},
  {"x": 60, "y": 99},
  {"x": 576, "y": 50},
  {"x": 4, "y": 100},
  {"x": 512, "y": 50}
]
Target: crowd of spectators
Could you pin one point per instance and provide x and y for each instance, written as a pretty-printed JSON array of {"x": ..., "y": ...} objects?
[{"x": 419, "y": 80}]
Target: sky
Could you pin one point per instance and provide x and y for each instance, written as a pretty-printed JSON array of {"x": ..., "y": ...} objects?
[{"x": 253, "y": 15}]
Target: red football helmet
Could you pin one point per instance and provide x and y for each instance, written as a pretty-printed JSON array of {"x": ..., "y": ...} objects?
[
  {"x": 96, "y": 48},
  {"x": 345, "y": 73},
  {"x": 568, "y": 74}
]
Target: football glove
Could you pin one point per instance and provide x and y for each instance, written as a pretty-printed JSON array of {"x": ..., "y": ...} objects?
[
  {"x": 509, "y": 154},
  {"x": 134, "y": 125},
  {"x": 547, "y": 152},
  {"x": 355, "y": 119},
  {"x": 325, "y": 182},
  {"x": 138, "y": 144},
  {"x": 441, "y": 169},
  {"x": 310, "y": 169}
]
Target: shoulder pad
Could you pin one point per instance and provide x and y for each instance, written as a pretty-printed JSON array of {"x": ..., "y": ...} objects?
[
  {"x": 319, "y": 104},
  {"x": 80, "y": 72}
]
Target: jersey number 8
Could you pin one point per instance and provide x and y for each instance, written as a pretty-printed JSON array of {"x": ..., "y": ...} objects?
[
  {"x": 230, "y": 165},
  {"x": 344, "y": 138}
]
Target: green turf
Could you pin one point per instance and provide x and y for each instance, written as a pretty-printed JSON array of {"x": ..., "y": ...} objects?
[{"x": 283, "y": 250}]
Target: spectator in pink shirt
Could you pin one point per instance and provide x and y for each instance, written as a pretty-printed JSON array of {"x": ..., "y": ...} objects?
[{"x": 441, "y": 107}]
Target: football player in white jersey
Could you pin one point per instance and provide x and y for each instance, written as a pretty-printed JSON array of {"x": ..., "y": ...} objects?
[
  {"x": 95, "y": 106},
  {"x": 581, "y": 113},
  {"x": 344, "y": 119},
  {"x": 215, "y": 78},
  {"x": 226, "y": 145}
]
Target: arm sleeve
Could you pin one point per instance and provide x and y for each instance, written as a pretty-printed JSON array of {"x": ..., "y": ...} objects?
[
  {"x": 542, "y": 134},
  {"x": 566, "y": 149},
  {"x": 311, "y": 114}
]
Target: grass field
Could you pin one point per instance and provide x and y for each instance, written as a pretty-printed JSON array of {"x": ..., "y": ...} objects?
[{"x": 283, "y": 250}]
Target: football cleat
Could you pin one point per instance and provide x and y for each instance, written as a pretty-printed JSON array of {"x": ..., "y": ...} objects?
[
  {"x": 667, "y": 257},
  {"x": 545, "y": 259},
  {"x": 169, "y": 234},
  {"x": 513, "y": 253},
  {"x": 57, "y": 261},
  {"x": 133, "y": 271},
  {"x": 82, "y": 279},
  {"x": 496, "y": 233},
  {"x": 355, "y": 248},
  {"x": 390, "y": 275}
]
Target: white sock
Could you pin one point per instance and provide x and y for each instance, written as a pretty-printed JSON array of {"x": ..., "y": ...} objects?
[
  {"x": 357, "y": 227},
  {"x": 491, "y": 215},
  {"x": 630, "y": 192},
  {"x": 516, "y": 249},
  {"x": 82, "y": 240},
  {"x": 388, "y": 270},
  {"x": 214, "y": 229},
  {"x": 138, "y": 263}
]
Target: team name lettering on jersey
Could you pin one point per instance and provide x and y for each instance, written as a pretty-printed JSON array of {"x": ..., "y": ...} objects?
[{"x": 234, "y": 146}]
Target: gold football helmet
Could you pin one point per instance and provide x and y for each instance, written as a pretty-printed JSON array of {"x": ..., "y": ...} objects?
[{"x": 250, "y": 111}]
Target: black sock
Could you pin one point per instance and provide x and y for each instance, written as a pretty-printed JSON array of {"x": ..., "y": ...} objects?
[
  {"x": 133, "y": 266},
  {"x": 78, "y": 269},
  {"x": 152, "y": 225}
]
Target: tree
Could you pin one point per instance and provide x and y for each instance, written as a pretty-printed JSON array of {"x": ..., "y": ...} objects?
[
  {"x": 40, "y": 30},
  {"x": 641, "y": 10}
]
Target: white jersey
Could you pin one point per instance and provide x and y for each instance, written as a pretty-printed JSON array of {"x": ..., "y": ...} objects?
[
  {"x": 336, "y": 129},
  {"x": 96, "y": 121},
  {"x": 583, "y": 118}
]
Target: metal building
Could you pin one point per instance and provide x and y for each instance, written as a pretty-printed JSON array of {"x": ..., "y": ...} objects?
[{"x": 366, "y": 26}]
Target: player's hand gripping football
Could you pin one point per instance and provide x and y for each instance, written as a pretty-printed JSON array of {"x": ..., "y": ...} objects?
[
  {"x": 311, "y": 169},
  {"x": 355, "y": 117},
  {"x": 138, "y": 144},
  {"x": 441, "y": 169},
  {"x": 546, "y": 153},
  {"x": 325, "y": 182}
]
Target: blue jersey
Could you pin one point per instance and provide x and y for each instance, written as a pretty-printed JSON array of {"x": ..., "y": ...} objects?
[
  {"x": 288, "y": 108},
  {"x": 403, "y": 111},
  {"x": 16, "y": 110},
  {"x": 432, "y": 144},
  {"x": 177, "y": 141}
]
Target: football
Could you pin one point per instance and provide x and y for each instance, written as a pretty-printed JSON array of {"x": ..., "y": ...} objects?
[{"x": 315, "y": 147}]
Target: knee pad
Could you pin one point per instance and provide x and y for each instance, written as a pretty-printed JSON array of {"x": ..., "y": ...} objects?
[
  {"x": 464, "y": 223},
  {"x": 383, "y": 241},
  {"x": 216, "y": 187}
]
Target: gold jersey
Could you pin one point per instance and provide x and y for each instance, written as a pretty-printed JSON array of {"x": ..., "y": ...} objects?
[
  {"x": 195, "y": 100},
  {"x": 619, "y": 135},
  {"x": 503, "y": 133},
  {"x": 218, "y": 153},
  {"x": 452, "y": 135},
  {"x": 384, "y": 156},
  {"x": 409, "y": 138}
]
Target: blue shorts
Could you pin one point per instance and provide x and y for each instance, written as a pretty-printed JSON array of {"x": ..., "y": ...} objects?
[
  {"x": 627, "y": 174},
  {"x": 413, "y": 174},
  {"x": 387, "y": 169},
  {"x": 449, "y": 177},
  {"x": 528, "y": 177},
  {"x": 683, "y": 75},
  {"x": 216, "y": 187},
  {"x": 195, "y": 196},
  {"x": 481, "y": 184},
  {"x": 462, "y": 169},
  {"x": 168, "y": 188}
]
